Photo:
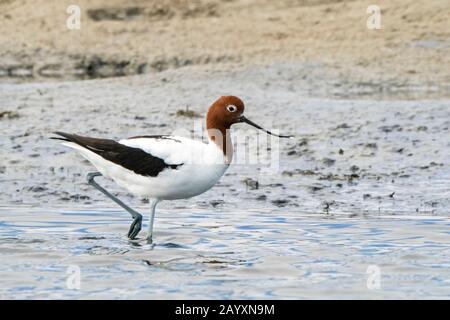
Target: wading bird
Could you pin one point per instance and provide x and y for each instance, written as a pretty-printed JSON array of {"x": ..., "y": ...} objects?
[{"x": 164, "y": 167}]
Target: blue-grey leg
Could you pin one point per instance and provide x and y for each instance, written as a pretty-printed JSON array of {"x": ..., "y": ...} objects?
[
  {"x": 136, "y": 225},
  {"x": 153, "y": 203}
]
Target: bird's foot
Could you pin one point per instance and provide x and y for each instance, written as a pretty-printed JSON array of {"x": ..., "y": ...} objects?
[
  {"x": 149, "y": 239},
  {"x": 135, "y": 227}
]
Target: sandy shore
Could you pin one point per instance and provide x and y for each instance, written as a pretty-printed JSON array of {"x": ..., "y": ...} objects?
[{"x": 406, "y": 56}]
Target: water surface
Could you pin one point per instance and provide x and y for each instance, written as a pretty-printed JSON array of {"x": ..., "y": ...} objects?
[{"x": 224, "y": 254}]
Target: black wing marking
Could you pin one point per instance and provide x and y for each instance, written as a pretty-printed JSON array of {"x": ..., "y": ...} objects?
[{"x": 134, "y": 159}]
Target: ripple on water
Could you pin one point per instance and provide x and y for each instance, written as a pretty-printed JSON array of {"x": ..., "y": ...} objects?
[{"x": 273, "y": 254}]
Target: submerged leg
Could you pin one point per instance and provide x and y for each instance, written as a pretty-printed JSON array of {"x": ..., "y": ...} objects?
[
  {"x": 153, "y": 203},
  {"x": 136, "y": 225}
]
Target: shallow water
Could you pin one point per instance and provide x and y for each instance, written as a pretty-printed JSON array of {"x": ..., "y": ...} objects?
[{"x": 223, "y": 254}]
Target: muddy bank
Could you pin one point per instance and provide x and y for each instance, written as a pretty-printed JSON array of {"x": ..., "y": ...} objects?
[
  {"x": 73, "y": 67},
  {"x": 349, "y": 156},
  {"x": 314, "y": 79}
]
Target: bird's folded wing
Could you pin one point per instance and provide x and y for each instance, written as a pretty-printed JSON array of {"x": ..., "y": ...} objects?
[{"x": 132, "y": 158}]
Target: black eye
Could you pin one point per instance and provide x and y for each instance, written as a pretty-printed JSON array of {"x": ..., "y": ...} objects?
[{"x": 232, "y": 108}]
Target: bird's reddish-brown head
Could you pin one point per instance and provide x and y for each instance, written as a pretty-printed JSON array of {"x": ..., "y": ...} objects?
[{"x": 224, "y": 112}]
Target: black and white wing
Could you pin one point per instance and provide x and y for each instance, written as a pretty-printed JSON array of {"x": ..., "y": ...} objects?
[{"x": 130, "y": 157}]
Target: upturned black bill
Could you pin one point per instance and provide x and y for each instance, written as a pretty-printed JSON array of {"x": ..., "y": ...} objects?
[{"x": 244, "y": 119}]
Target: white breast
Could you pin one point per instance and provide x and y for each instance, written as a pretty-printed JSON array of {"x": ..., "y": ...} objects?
[{"x": 202, "y": 166}]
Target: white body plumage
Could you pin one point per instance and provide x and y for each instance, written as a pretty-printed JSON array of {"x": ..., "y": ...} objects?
[{"x": 202, "y": 166}]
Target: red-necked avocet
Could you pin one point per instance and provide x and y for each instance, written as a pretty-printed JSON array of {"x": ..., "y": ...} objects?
[{"x": 164, "y": 167}]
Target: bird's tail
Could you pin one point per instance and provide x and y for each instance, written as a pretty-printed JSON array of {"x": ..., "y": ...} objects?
[{"x": 63, "y": 136}]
